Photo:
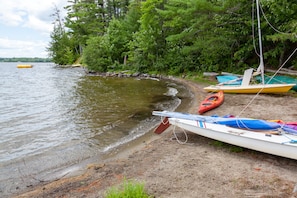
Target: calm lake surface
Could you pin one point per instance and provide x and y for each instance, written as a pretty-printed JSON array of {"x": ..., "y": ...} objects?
[{"x": 53, "y": 118}]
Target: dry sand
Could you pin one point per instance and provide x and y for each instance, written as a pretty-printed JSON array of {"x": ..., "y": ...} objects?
[{"x": 199, "y": 168}]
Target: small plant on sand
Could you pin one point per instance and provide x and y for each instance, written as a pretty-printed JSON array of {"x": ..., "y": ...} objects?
[{"x": 128, "y": 189}]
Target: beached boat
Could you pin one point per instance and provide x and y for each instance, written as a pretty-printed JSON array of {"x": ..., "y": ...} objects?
[
  {"x": 232, "y": 86},
  {"x": 267, "y": 142},
  {"x": 279, "y": 79},
  {"x": 251, "y": 89},
  {"x": 229, "y": 80},
  {"x": 246, "y": 86},
  {"x": 212, "y": 101},
  {"x": 260, "y": 135},
  {"x": 24, "y": 66}
]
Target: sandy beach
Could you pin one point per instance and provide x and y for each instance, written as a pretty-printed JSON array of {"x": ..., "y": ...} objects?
[{"x": 199, "y": 168}]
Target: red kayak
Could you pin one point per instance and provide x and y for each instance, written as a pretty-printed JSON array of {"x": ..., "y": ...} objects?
[{"x": 211, "y": 102}]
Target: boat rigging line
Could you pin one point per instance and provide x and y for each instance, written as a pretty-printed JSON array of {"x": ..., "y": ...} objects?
[
  {"x": 177, "y": 139},
  {"x": 261, "y": 55}
]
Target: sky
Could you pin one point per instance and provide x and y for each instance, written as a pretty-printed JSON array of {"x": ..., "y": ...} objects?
[{"x": 25, "y": 27}]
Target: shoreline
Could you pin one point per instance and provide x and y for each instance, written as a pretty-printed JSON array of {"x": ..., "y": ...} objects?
[{"x": 169, "y": 169}]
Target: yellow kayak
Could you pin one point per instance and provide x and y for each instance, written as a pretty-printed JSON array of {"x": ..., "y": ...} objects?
[{"x": 24, "y": 66}]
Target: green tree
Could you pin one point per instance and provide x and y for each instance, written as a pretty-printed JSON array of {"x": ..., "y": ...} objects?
[
  {"x": 176, "y": 36},
  {"x": 117, "y": 8},
  {"x": 191, "y": 37},
  {"x": 61, "y": 48},
  {"x": 279, "y": 31},
  {"x": 85, "y": 19},
  {"x": 234, "y": 28},
  {"x": 97, "y": 54},
  {"x": 118, "y": 39},
  {"x": 149, "y": 44},
  {"x": 115, "y": 41}
]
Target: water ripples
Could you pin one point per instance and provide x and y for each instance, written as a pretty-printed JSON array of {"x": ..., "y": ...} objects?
[{"x": 51, "y": 118}]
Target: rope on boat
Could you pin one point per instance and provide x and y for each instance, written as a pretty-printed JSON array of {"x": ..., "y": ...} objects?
[
  {"x": 291, "y": 141},
  {"x": 268, "y": 22},
  {"x": 175, "y": 136},
  {"x": 283, "y": 133},
  {"x": 274, "y": 28},
  {"x": 163, "y": 119},
  {"x": 174, "y": 133}
]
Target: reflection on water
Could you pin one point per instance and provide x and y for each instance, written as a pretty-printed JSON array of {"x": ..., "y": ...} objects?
[
  {"x": 113, "y": 107},
  {"x": 52, "y": 118}
]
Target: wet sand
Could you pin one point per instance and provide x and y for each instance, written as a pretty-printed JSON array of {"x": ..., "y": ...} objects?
[{"x": 199, "y": 168}]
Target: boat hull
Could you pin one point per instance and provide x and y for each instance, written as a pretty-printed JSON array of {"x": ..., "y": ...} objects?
[
  {"x": 229, "y": 80},
  {"x": 251, "y": 89},
  {"x": 280, "y": 79},
  {"x": 280, "y": 145}
]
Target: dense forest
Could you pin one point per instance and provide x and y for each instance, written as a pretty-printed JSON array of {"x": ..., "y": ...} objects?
[{"x": 173, "y": 36}]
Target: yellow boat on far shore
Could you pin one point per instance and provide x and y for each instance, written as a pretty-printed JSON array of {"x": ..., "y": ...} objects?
[{"x": 24, "y": 66}]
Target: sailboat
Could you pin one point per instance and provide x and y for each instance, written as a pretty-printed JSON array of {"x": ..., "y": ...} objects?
[
  {"x": 245, "y": 86},
  {"x": 265, "y": 136}
]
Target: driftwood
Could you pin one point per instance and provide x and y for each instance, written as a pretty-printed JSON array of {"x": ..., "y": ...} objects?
[
  {"x": 211, "y": 74},
  {"x": 283, "y": 71}
]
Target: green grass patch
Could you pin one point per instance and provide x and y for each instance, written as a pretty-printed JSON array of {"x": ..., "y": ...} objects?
[
  {"x": 200, "y": 78},
  {"x": 128, "y": 189}
]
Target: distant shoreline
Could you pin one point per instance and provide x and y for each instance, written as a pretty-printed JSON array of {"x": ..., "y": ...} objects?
[{"x": 26, "y": 60}]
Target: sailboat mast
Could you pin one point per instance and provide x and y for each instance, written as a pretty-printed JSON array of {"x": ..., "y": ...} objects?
[{"x": 261, "y": 66}]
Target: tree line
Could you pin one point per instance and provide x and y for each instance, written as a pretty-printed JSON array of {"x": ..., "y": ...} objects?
[
  {"x": 173, "y": 36},
  {"x": 25, "y": 59}
]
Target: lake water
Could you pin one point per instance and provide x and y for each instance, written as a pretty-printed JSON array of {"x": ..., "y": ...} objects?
[{"x": 53, "y": 118}]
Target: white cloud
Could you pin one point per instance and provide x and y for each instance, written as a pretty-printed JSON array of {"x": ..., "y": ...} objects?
[
  {"x": 30, "y": 13},
  {"x": 37, "y": 24},
  {"x": 31, "y": 23},
  {"x": 21, "y": 48}
]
